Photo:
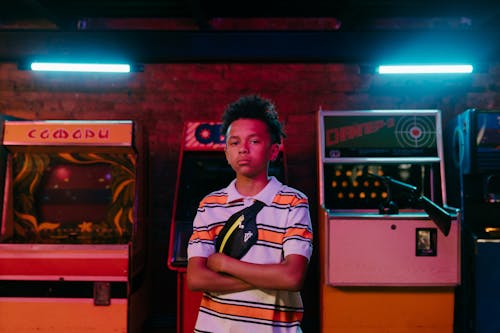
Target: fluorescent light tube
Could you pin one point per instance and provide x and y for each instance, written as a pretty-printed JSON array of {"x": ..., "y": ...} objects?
[
  {"x": 425, "y": 69},
  {"x": 80, "y": 67}
]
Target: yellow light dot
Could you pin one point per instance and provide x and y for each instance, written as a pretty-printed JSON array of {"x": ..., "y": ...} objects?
[
  {"x": 351, "y": 195},
  {"x": 348, "y": 173},
  {"x": 366, "y": 183},
  {"x": 373, "y": 195},
  {"x": 362, "y": 195},
  {"x": 340, "y": 195},
  {"x": 338, "y": 173},
  {"x": 334, "y": 183},
  {"x": 383, "y": 195},
  {"x": 344, "y": 183},
  {"x": 355, "y": 183},
  {"x": 376, "y": 183}
]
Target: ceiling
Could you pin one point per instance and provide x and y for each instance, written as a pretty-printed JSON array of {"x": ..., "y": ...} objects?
[
  {"x": 353, "y": 14},
  {"x": 280, "y": 30}
]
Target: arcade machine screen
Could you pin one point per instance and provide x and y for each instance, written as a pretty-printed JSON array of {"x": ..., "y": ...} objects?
[
  {"x": 361, "y": 187},
  {"x": 71, "y": 198},
  {"x": 488, "y": 154},
  {"x": 488, "y": 132},
  {"x": 201, "y": 173}
]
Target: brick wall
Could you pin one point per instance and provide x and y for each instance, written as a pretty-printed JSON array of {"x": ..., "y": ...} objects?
[{"x": 164, "y": 96}]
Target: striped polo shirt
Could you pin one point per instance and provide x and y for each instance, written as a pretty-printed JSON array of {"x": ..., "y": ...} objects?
[{"x": 284, "y": 228}]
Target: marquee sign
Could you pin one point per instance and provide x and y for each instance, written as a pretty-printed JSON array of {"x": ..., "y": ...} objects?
[
  {"x": 203, "y": 136},
  {"x": 67, "y": 132},
  {"x": 380, "y": 134}
]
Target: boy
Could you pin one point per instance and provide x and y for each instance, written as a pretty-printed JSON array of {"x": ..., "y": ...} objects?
[{"x": 259, "y": 292}]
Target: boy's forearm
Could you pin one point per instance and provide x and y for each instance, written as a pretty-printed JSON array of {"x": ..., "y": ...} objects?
[
  {"x": 220, "y": 283},
  {"x": 200, "y": 278},
  {"x": 288, "y": 275}
]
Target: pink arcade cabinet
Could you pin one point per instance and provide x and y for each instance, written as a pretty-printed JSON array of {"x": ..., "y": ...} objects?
[{"x": 389, "y": 244}]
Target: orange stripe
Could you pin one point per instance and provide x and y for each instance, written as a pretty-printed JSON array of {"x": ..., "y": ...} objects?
[
  {"x": 271, "y": 236},
  {"x": 299, "y": 232},
  {"x": 277, "y": 237},
  {"x": 250, "y": 312},
  {"x": 213, "y": 199},
  {"x": 206, "y": 235},
  {"x": 203, "y": 235},
  {"x": 289, "y": 199}
]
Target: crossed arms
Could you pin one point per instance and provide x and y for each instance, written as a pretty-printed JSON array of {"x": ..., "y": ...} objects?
[{"x": 222, "y": 273}]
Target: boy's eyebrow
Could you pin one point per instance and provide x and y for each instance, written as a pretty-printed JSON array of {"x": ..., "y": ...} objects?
[{"x": 248, "y": 136}]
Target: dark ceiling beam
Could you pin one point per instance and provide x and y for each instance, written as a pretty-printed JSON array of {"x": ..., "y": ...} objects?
[
  {"x": 42, "y": 11},
  {"x": 198, "y": 14},
  {"x": 227, "y": 47}
]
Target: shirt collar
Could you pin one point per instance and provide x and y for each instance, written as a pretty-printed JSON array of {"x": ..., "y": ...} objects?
[{"x": 266, "y": 195}]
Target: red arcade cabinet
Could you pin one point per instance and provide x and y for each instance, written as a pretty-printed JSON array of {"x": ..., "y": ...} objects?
[
  {"x": 389, "y": 245},
  {"x": 202, "y": 168},
  {"x": 72, "y": 241}
]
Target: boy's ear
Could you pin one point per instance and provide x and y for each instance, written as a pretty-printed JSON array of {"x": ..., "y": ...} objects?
[{"x": 275, "y": 150}]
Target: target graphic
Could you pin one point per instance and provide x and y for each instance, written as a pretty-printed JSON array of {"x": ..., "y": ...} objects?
[{"x": 416, "y": 132}]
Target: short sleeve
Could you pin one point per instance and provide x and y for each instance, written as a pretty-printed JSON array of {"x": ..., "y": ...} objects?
[
  {"x": 298, "y": 237},
  {"x": 202, "y": 240}
]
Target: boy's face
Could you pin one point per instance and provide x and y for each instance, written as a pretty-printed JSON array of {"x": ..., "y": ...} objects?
[{"x": 249, "y": 148}]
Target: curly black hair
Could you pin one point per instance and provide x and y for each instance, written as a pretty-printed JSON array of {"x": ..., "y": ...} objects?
[{"x": 254, "y": 107}]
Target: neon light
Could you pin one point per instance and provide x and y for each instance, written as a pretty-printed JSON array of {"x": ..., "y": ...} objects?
[
  {"x": 80, "y": 67},
  {"x": 425, "y": 69}
]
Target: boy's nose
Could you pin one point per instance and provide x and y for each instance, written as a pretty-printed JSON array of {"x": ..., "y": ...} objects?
[{"x": 243, "y": 148}]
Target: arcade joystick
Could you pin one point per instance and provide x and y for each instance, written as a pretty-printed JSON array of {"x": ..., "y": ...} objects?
[{"x": 438, "y": 214}]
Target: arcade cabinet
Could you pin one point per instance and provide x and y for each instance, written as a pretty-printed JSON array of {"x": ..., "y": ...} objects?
[
  {"x": 473, "y": 138},
  {"x": 389, "y": 244},
  {"x": 72, "y": 241},
  {"x": 202, "y": 168}
]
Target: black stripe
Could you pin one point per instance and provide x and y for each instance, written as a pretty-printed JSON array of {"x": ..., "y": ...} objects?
[{"x": 57, "y": 289}]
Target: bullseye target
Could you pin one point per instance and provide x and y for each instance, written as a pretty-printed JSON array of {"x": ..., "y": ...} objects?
[{"x": 415, "y": 132}]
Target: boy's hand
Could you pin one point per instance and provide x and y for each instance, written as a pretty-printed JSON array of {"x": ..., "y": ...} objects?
[{"x": 217, "y": 261}]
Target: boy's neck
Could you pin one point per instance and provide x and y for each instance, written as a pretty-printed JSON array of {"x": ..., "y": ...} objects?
[{"x": 250, "y": 186}]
